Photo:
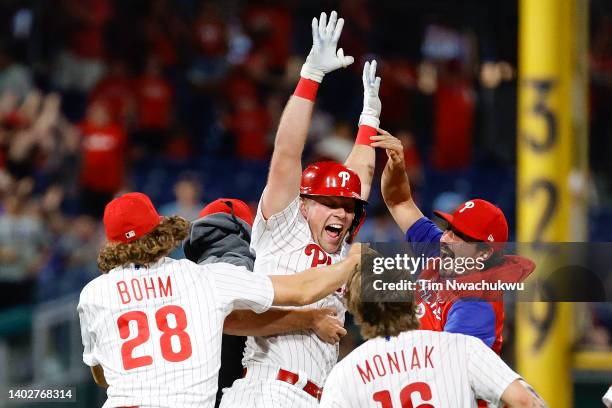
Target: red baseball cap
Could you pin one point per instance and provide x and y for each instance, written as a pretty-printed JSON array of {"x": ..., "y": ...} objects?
[
  {"x": 479, "y": 220},
  {"x": 129, "y": 217},
  {"x": 220, "y": 205}
]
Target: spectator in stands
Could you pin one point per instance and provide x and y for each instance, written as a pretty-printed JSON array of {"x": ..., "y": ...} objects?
[
  {"x": 357, "y": 35},
  {"x": 449, "y": 201},
  {"x": 497, "y": 112},
  {"x": 210, "y": 32},
  {"x": 115, "y": 88},
  {"x": 337, "y": 146},
  {"x": 396, "y": 91},
  {"x": 38, "y": 139},
  {"x": 211, "y": 45},
  {"x": 454, "y": 119},
  {"x": 238, "y": 85},
  {"x": 250, "y": 124},
  {"x": 378, "y": 227},
  {"x": 15, "y": 78},
  {"x": 22, "y": 250},
  {"x": 51, "y": 213},
  {"x": 154, "y": 98},
  {"x": 600, "y": 93},
  {"x": 81, "y": 64},
  {"x": 20, "y": 146},
  {"x": 72, "y": 261},
  {"x": 269, "y": 25},
  {"x": 165, "y": 33},
  {"x": 412, "y": 158},
  {"x": 103, "y": 149},
  {"x": 187, "y": 191}
]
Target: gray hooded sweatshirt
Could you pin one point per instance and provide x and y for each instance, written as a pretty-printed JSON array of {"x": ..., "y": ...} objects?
[{"x": 220, "y": 237}]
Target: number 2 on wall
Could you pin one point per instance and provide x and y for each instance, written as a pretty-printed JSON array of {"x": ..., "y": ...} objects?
[
  {"x": 143, "y": 334},
  {"x": 384, "y": 397}
]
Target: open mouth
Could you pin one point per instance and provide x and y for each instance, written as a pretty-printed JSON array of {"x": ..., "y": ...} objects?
[{"x": 334, "y": 230}]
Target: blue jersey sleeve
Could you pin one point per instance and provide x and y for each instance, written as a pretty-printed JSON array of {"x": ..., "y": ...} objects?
[
  {"x": 473, "y": 318},
  {"x": 424, "y": 237}
]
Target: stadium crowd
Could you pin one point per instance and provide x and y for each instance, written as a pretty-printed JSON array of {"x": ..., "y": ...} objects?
[{"x": 180, "y": 99}]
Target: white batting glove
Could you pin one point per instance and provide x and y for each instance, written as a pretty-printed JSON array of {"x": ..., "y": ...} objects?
[
  {"x": 323, "y": 57},
  {"x": 370, "y": 115}
]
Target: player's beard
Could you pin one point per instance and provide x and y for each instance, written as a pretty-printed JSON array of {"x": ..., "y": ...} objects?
[{"x": 445, "y": 252}]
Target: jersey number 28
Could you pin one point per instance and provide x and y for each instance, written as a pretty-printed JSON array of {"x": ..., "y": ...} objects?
[
  {"x": 143, "y": 334},
  {"x": 421, "y": 388}
]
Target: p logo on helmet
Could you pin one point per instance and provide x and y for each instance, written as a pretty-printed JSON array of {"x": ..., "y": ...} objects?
[
  {"x": 345, "y": 176},
  {"x": 332, "y": 179}
]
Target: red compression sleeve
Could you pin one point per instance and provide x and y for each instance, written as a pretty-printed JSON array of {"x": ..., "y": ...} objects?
[
  {"x": 307, "y": 89},
  {"x": 364, "y": 133}
]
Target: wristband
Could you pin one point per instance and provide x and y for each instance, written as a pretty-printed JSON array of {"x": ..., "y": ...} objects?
[
  {"x": 307, "y": 89},
  {"x": 364, "y": 133}
]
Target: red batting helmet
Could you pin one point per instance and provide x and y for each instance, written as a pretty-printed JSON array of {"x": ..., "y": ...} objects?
[{"x": 331, "y": 179}]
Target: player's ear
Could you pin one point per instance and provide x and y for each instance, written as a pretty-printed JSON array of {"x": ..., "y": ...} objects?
[
  {"x": 303, "y": 208},
  {"x": 486, "y": 252}
]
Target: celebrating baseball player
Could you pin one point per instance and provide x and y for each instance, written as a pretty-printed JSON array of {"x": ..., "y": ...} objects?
[
  {"x": 223, "y": 234},
  {"x": 399, "y": 366},
  {"x": 476, "y": 222},
  {"x": 306, "y": 220},
  {"x": 151, "y": 326}
]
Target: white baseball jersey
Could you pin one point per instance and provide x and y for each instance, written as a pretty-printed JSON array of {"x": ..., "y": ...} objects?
[
  {"x": 418, "y": 368},
  {"x": 156, "y": 331},
  {"x": 284, "y": 246}
]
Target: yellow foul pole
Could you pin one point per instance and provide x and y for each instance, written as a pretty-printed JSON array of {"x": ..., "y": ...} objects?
[{"x": 552, "y": 146}]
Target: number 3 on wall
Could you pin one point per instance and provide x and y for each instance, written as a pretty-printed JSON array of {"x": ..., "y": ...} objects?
[
  {"x": 143, "y": 334},
  {"x": 423, "y": 389}
]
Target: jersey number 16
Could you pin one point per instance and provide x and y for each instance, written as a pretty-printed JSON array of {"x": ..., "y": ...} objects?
[
  {"x": 421, "y": 388},
  {"x": 143, "y": 334}
]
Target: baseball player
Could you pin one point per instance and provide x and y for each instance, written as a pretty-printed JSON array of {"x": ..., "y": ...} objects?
[
  {"x": 305, "y": 220},
  {"x": 151, "y": 326},
  {"x": 222, "y": 233},
  {"x": 399, "y": 366},
  {"x": 477, "y": 222}
]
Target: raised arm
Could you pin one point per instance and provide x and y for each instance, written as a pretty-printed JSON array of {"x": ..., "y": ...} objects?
[
  {"x": 314, "y": 284},
  {"x": 280, "y": 321},
  {"x": 363, "y": 156},
  {"x": 286, "y": 164},
  {"x": 394, "y": 183}
]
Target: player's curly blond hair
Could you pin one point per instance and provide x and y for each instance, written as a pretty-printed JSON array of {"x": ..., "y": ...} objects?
[
  {"x": 147, "y": 249},
  {"x": 378, "y": 319}
]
